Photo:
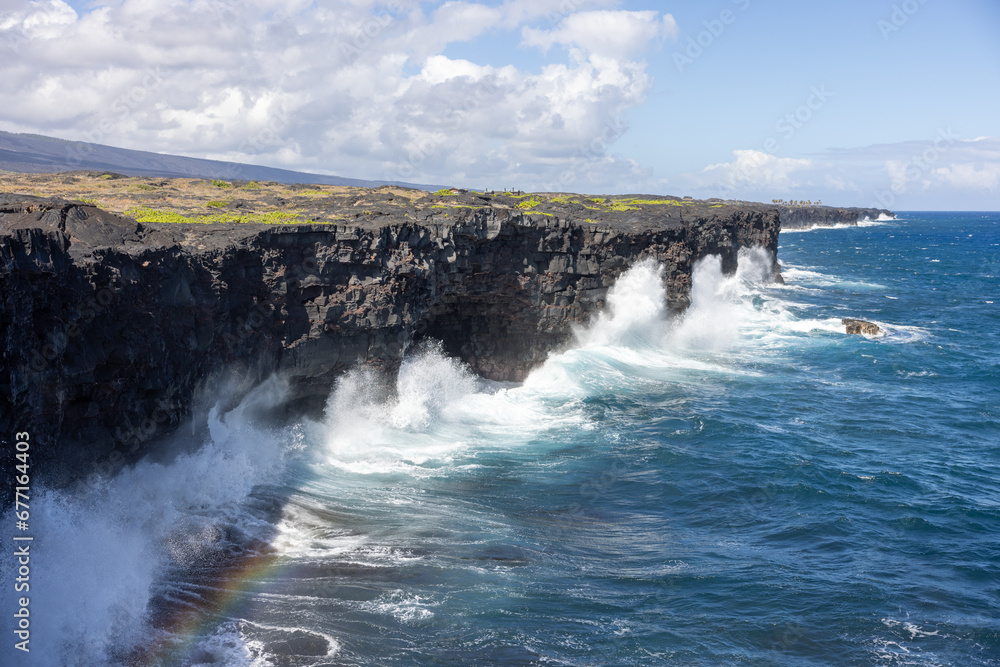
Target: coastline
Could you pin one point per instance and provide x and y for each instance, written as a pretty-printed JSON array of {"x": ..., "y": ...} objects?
[{"x": 117, "y": 325}]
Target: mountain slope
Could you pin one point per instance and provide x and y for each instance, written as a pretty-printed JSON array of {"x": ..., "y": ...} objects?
[{"x": 37, "y": 154}]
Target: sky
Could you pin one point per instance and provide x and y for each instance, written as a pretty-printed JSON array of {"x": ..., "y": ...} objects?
[{"x": 888, "y": 103}]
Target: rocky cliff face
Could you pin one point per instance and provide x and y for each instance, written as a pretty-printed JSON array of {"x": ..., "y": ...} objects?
[
  {"x": 109, "y": 327},
  {"x": 798, "y": 217}
]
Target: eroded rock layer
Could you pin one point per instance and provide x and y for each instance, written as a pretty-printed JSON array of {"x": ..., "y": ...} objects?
[{"x": 109, "y": 326}]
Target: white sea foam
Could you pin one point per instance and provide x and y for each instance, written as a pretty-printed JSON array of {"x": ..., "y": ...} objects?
[
  {"x": 863, "y": 222},
  {"x": 228, "y": 646},
  {"x": 104, "y": 547},
  {"x": 436, "y": 410},
  {"x": 404, "y": 608},
  {"x": 99, "y": 550},
  {"x": 913, "y": 629},
  {"x": 798, "y": 273},
  {"x": 879, "y": 221},
  {"x": 636, "y": 311},
  {"x": 903, "y": 333},
  {"x": 240, "y": 643},
  {"x": 813, "y": 228},
  {"x": 437, "y": 415},
  {"x": 800, "y": 276},
  {"x": 893, "y": 651}
]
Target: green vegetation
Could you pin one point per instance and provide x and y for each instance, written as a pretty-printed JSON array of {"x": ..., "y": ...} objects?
[
  {"x": 311, "y": 193},
  {"x": 222, "y": 184},
  {"x": 618, "y": 205},
  {"x": 445, "y": 192},
  {"x": 529, "y": 203},
  {"x": 144, "y": 214},
  {"x": 217, "y": 204},
  {"x": 89, "y": 202},
  {"x": 106, "y": 177},
  {"x": 653, "y": 202},
  {"x": 252, "y": 185},
  {"x": 621, "y": 207},
  {"x": 269, "y": 218}
]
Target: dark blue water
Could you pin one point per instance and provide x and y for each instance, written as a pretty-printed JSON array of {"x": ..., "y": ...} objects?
[{"x": 747, "y": 485}]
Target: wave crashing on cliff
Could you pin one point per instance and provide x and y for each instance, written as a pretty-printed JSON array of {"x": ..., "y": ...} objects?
[
  {"x": 438, "y": 412},
  {"x": 621, "y": 506},
  {"x": 108, "y": 543}
]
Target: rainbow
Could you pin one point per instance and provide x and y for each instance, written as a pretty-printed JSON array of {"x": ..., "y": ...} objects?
[{"x": 180, "y": 627}]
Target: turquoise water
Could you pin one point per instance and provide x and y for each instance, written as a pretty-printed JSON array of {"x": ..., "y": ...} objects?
[{"x": 746, "y": 485}]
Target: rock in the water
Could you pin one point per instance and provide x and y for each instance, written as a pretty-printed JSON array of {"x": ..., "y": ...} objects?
[{"x": 860, "y": 327}]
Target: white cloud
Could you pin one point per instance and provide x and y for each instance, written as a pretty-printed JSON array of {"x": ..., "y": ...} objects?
[
  {"x": 439, "y": 69},
  {"x": 967, "y": 175},
  {"x": 897, "y": 170},
  {"x": 945, "y": 164},
  {"x": 756, "y": 169},
  {"x": 614, "y": 34},
  {"x": 35, "y": 19},
  {"x": 464, "y": 20},
  {"x": 360, "y": 88},
  {"x": 911, "y": 175},
  {"x": 519, "y": 12}
]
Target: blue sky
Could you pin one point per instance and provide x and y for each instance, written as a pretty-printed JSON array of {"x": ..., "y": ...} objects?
[{"x": 852, "y": 103}]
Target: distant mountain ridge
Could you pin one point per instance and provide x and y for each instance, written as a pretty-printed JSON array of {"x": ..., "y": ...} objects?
[{"x": 38, "y": 154}]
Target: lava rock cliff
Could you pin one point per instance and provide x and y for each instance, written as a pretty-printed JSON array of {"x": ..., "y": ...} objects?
[{"x": 109, "y": 327}]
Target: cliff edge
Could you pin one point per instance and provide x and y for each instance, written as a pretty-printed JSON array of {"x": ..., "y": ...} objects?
[
  {"x": 801, "y": 217},
  {"x": 110, "y": 325}
]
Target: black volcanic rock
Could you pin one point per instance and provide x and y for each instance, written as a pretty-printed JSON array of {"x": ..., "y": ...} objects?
[
  {"x": 109, "y": 327},
  {"x": 798, "y": 217},
  {"x": 858, "y": 327}
]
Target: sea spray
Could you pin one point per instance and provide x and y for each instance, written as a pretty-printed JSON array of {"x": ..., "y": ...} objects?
[
  {"x": 437, "y": 410},
  {"x": 636, "y": 310},
  {"x": 367, "y": 418},
  {"x": 384, "y": 449},
  {"x": 721, "y": 305},
  {"x": 103, "y": 547},
  {"x": 664, "y": 497}
]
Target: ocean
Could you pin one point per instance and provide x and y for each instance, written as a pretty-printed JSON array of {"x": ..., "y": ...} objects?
[{"x": 745, "y": 484}]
